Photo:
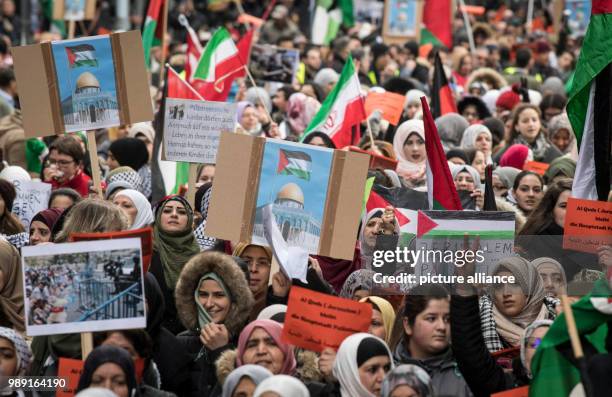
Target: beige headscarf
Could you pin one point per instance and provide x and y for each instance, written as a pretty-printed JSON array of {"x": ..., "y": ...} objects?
[
  {"x": 526, "y": 275},
  {"x": 11, "y": 286}
]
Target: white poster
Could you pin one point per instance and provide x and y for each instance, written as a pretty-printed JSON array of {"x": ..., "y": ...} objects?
[
  {"x": 192, "y": 129},
  {"x": 32, "y": 197}
]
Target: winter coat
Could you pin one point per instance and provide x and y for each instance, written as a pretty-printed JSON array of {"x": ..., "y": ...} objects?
[
  {"x": 12, "y": 140},
  {"x": 170, "y": 317},
  {"x": 202, "y": 371},
  {"x": 446, "y": 379}
]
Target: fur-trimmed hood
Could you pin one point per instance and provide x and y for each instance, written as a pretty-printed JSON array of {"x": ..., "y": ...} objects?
[
  {"x": 307, "y": 365},
  {"x": 228, "y": 270},
  {"x": 489, "y": 76}
]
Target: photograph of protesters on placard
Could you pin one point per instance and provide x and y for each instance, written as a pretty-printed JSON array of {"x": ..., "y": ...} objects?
[
  {"x": 84, "y": 286},
  {"x": 74, "y": 10},
  {"x": 401, "y": 18},
  {"x": 271, "y": 63},
  {"x": 291, "y": 179},
  {"x": 85, "y": 74}
]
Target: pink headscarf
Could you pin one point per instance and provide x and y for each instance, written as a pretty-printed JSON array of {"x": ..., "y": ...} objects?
[
  {"x": 275, "y": 330},
  {"x": 300, "y": 111},
  {"x": 515, "y": 156}
]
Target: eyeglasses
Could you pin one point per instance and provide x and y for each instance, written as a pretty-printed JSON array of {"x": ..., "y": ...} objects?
[{"x": 60, "y": 162}]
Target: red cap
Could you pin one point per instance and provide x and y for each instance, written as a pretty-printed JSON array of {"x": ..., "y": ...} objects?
[{"x": 508, "y": 100}]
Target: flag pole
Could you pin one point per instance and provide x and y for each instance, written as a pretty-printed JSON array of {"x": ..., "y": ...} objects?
[
  {"x": 468, "y": 27},
  {"x": 162, "y": 62},
  {"x": 369, "y": 127},
  {"x": 576, "y": 345},
  {"x": 263, "y": 102}
]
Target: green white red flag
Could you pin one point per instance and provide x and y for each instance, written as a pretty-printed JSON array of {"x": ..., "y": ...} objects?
[{"x": 152, "y": 28}]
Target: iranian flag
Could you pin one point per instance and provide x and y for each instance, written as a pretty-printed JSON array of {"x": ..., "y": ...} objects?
[
  {"x": 441, "y": 190},
  {"x": 194, "y": 50},
  {"x": 219, "y": 61},
  {"x": 152, "y": 28},
  {"x": 590, "y": 106},
  {"x": 81, "y": 55},
  {"x": 294, "y": 163},
  {"x": 555, "y": 370},
  {"x": 342, "y": 110}
]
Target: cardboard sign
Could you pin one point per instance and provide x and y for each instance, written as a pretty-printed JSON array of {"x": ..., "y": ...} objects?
[
  {"x": 71, "y": 370},
  {"x": 518, "y": 392},
  {"x": 82, "y": 84},
  {"x": 145, "y": 235},
  {"x": 192, "y": 129},
  {"x": 271, "y": 63},
  {"x": 536, "y": 167},
  {"x": 315, "y": 321},
  {"x": 316, "y": 193},
  {"x": 588, "y": 225},
  {"x": 389, "y": 103},
  {"x": 74, "y": 10},
  {"x": 83, "y": 287},
  {"x": 32, "y": 197}
]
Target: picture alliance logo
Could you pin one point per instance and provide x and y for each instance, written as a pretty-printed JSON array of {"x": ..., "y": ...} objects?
[{"x": 412, "y": 257}]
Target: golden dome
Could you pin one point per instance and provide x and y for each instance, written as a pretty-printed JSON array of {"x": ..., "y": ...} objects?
[
  {"x": 291, "y": 191},
  {"x": 87, "y": 80}
]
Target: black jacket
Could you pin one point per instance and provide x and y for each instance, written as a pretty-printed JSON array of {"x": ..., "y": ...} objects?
[{"x": 170, "y": 317}]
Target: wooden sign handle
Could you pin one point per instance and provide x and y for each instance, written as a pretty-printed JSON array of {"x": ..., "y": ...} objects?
[
  {"x": 92, "y": 147},
  {"x": 191, "y": 184},
  {"x": 86, "y": 344}
]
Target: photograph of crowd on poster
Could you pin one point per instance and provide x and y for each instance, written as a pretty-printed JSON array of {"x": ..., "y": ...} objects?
[
  {"x": 86, "y": 82},
  {"x": 84, "y": 286}
]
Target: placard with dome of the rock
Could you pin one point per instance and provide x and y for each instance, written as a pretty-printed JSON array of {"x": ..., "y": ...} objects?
[
  {"x": 82, "y": 84},
  {"x": 315, "y": 194}
]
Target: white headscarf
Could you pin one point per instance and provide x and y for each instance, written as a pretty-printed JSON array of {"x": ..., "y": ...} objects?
[
  {"x": 471, "y": 134},
  {"x": 345, "y": 366},
  {"x": 96, "y": 392},
  {"x": 283, "y": 385},
  {"x": 456, "y": 169},
  {"x": 256, "y": 373},
  {"x": 144, "y": 216},
  {"x": 403, "y": 132},
  {"x": 14, "y": 173}
]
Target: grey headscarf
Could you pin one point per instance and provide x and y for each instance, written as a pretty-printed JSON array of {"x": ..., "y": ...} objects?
[
  {"x": 558, "y": 123},
  {"x": 256, "y": 95},
  {"x": 506, "y": 175},
  {"x": 553, "y": 85},
  {"x": 528, "y": 332},
  {"x": 456, "y": 169},
  {"x": 407, "y": 374},
  {"x": 470, "y": 135},
  {"x": 359, "y": 279},
  {"x": 256, "y": 373},
  {"x": 451, "y": 127}
]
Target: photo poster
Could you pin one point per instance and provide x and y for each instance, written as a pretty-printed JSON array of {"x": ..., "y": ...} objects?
[
  {"x": 273, "y": 64},
  {"x": 192, "y": 129},
  {"x": 83, "y": 287},
  {"x": 579, "y": 15},
  {"x": 402, "y": 20},
  {"x": 294, "y": 179},
  {"x": 32, "y": 197},
  {"x": 74, "y": 10},
  {"x": 445, "y": 230},
  {"x": 85, "y": 73}
]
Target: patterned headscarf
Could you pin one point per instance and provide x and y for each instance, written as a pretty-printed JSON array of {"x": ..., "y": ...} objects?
[{"x": 22, "y": 350}]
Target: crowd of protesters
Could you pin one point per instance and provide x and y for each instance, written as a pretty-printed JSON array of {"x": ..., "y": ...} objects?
[{"x": 215, "y": 309}]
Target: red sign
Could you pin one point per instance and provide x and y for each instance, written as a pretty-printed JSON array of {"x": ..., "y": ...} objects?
[{"x": 588, "y": 225}]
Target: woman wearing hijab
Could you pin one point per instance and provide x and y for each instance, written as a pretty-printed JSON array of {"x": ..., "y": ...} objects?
[
  {"x": 516, "y": 156},
  {"x": 281, "y": 385},
  {"x": 503, "y": 180},
  {"x": 42, "y": 225},
  {"x": 561, "y": 134},
  {"x": 11, "y": 288},
  {"x": 244, "y": 380},
  {"x": 383, "y": 317},
  {"x": 362, "y": 362},
  {"x": 451, "y": 127},
  {"x": 409, "y": 148},
  {"x": 561, "y": 167},
  {"x": 213, "y": 301},
  {"x": 317, "y": 138},
  {"x": 358, "y": 284},
  {"x": 133, "y": 153},
  {"x": 202, "y": 202},
  {"x": 376, "y": 222},
  {"x": 407, "y": 380},
  {"x": 478, "y": 136},
  {"x": 467, "y": 179},
  {"x": 412, "y": 104},
  {"x": 247, "y": 119},
  {"x": 136, "y": 207},
  {"x": 509, "y": 308},
  {"x": 168, "y": 354},
  {"x": 9, "y": 223},
  {"x": 112, "y": 368},
  {"x": 17, "y": 362},
  {"x": 121, "y": 178},
  {"x": 553, "y": 276},
  {"x": 173, "y": 245},
  {"x": 424, "y": 339},
  {"x": 300, "y": 111}
]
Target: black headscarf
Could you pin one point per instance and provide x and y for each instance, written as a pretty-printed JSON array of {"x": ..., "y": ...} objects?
[
  {"x": 155, "y": 304},
  {"x": 130, "y": 152},
  {"x": 200, "y": 197},
  {"x": 109, "y": 354}
]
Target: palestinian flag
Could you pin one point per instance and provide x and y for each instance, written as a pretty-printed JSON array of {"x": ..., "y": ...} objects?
[
  {"x": 81, "y": 55},
  {"x": 294, "y": 163},
  {"x": 152, "y": 29},
  {"x": 555, "y": 370},
  {"x": 443, "y": 102},
  {"x": 219, "y": 61},
  {"x": 342, "y": 110},
  {"x": 441, "y": 190},
  {"x": 437, "y": 18},
  {"x": 590, "y": 106}
]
